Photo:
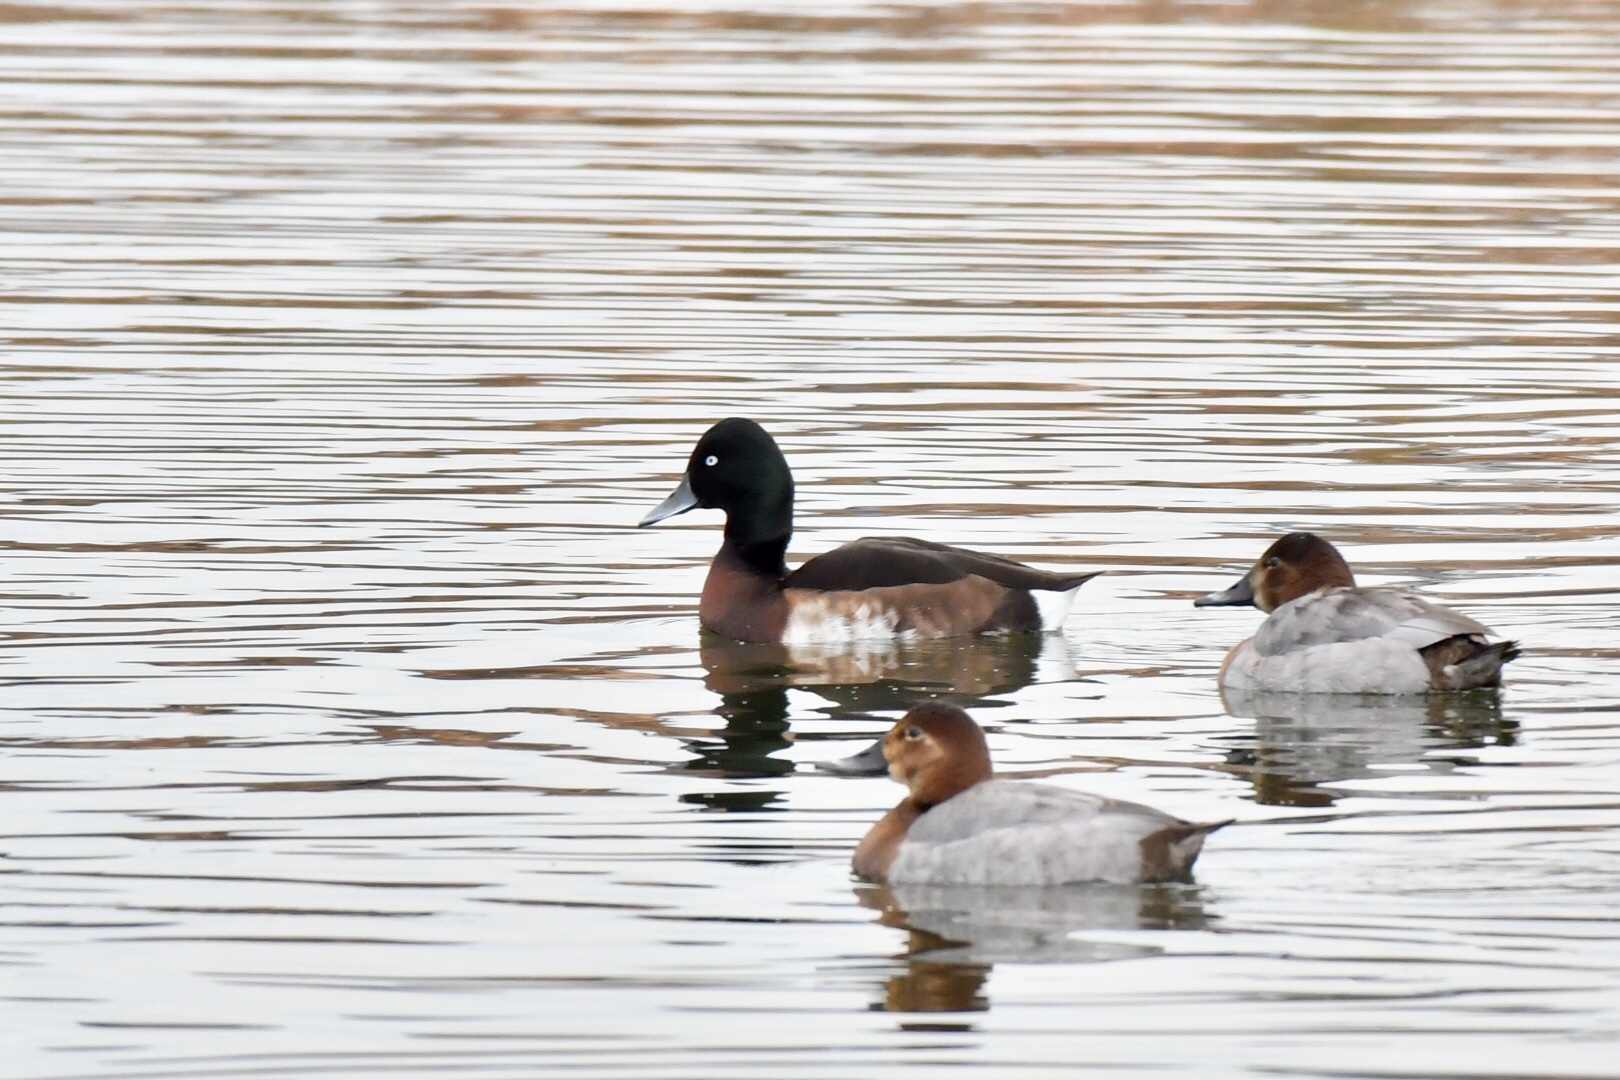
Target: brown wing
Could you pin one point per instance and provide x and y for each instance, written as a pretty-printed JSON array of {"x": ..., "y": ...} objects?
[{"x": 879, "y": 562}]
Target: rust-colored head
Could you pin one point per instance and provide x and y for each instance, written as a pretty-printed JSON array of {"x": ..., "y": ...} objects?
[
  {"x": 937, "y": 751},
  {"x": 1295, "y": 565}
]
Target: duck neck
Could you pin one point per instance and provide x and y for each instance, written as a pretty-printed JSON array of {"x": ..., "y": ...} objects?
[
  {"x": 877, "y": 849},
  {"x": 950, "y": 781},
  {"x": 759, "y": 540},
  {"x": 764, "y": 559}
]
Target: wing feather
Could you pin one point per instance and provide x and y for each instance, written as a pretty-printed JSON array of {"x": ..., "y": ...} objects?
[
  {"x": 1342, "y": 614},
  {"x": 1003, "y": 804},
  {"x": 880, "y": 562},
  {"x": 1006, "y": 833}
]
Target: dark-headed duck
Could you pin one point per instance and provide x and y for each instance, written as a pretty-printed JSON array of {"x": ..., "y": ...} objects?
[
  {"x": 1325, "y": 634},
  {"x": 875, "y": 587},
  {"x": 959, "y": 826}
]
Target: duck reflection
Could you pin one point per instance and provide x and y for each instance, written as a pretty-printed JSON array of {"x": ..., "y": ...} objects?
[
  {"x": 1303, "y": 743},
  {"x": 883, "y": 675},
  {"x": 753, "y": 681},
  {"x": 956, "y": 934}
]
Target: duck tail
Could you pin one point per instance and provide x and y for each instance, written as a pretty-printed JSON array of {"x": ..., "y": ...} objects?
[
  {"x": 1053, "y": 605},
  {"x": 1483, "y": 668},
  {"x": 1170, "y": 853},
  {"x": 1072, "y": 582}
]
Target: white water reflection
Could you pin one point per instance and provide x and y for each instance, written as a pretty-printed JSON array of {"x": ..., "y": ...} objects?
[
  {"x": 955, "y": 935},
  {"x": 1304, "y": 744},
  {"x": 351, "y": 726}
]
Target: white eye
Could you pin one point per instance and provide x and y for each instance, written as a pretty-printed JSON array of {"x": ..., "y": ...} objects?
[{"x": 711, "y": 461}]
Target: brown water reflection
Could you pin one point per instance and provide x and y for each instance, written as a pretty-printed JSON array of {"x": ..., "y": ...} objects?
[
  {"x": 753, "y": 682},
  {"x": 883, "y": 675}
]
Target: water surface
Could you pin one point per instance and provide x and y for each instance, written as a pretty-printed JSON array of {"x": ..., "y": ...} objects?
[{"x": 350, "y": 727}]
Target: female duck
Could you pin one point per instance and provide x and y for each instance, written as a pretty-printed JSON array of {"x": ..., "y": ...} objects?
[
  {"x": 871, "y": 589},
  {"x": 1326, "y": 635},
  {"x": 958, "y": 826}
]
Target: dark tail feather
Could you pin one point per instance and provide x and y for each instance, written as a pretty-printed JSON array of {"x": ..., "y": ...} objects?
[
  {"x": 1170, "y": 853},
  {"x": 1074, "y": 581},
  {"x": 1483, "y": 668}
]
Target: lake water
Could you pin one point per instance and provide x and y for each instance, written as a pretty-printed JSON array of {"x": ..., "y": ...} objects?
[{"x": 351, "y": 728}]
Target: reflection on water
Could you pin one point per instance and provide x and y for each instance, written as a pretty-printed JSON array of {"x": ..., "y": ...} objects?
[
  {"x": 956, "y": 934},
  {"x": 350, "y": 726},
  {"x": 754, "y": 679},
  {"x": 1305, "y": 743},
  {"x": 887, "y": 676}
]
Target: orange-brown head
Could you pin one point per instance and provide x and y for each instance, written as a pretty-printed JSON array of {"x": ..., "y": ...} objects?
[
  {"x": 1295, "y": 565},
  {"x": 936, "y": 750}
]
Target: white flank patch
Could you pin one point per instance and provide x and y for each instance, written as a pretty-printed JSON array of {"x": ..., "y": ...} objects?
[
  {"x": 829, "y": 622},
  {"x": 1054, "y": 607}
]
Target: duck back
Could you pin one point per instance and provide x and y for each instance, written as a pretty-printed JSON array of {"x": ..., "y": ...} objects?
[
  {"x": 1354, "y": 614},
  {"x": 876, "y": 562},
  {"x": 1004, "y": 833}
]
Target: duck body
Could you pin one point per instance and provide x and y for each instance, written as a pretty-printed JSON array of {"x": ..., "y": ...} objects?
[
  {"x": 1002, "y": 832},
  {"x": 873, "y": 588},
  {"x": 960, "y": 826},
  {"x": 1324, "y": 634}
]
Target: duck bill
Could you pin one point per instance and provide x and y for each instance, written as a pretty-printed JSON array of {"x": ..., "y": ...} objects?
[
  {"x": 1240, "y": 594},
  {"x": 869, "y": 762},
  {"x": 680, "y": 501}
]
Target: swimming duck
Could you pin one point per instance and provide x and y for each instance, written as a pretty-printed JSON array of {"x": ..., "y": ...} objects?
[
  {"x": 959, "y": 826},
  {"x": 1327, "y": 635},
  {"x": 875, "y": 587}
]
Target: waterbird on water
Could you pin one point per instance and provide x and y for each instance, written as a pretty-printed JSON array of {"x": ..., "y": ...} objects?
[
  {"x": 875, "y": 587},
  {"x": 958, "y": 825},
  {"x": 1325, "y": 634}
]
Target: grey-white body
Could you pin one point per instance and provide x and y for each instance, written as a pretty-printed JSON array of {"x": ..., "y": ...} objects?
[
  {"x": 1002, "y": 832},
  {"x": 1345, "y": 639}
]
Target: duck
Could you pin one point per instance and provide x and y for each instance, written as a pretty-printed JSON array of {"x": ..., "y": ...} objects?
[
  {"x": 1325, "y": 634},
  {"x": 872, "y": 588},
  {"x": 958, "y": 825}
]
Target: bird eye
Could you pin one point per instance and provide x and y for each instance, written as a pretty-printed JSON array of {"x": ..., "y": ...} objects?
[
  {"x": 913, "y": 732},
  {"x": 711, "y": 461},
  {"x": 1273, "y": 562}
]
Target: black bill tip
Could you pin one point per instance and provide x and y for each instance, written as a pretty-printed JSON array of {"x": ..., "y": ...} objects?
[
  {"x": 869, "y": 762},
  {"x": 1241, "y": 594}
]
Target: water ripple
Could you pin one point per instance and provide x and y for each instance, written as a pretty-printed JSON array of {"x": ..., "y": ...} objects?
[{"x": 352, "y": 727}]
